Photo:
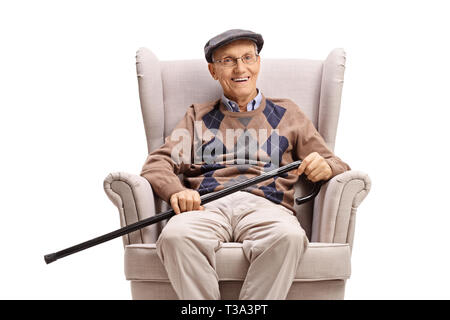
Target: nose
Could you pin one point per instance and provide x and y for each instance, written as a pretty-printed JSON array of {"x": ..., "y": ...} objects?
[{"x": 240, "y": 66}]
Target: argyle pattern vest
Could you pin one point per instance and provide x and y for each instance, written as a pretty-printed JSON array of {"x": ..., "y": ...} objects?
[{"x": 214, "y": 147}]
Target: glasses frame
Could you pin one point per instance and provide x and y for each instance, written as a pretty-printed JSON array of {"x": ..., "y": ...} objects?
[{"x": 235, "y": 60}]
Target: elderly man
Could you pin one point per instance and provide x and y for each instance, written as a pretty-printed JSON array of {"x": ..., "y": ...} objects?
[{"x": 236, "y": 137}]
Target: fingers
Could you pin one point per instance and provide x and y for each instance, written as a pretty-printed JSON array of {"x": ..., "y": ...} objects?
[
  {"x": 192, "y": 201},
  {"x": 186, "y": 200},
  {"x": 317, "y": 175},
  {"x": 182, "y": 202},
  {"x": 301, "y": 168},
  {"x": 197, "y": 202},
  {"x": 315, "y": 167},
  {"x": 315, "y": 164},
  {"x": 306, "y": 163},
  {"x": 174, "y": 204}
]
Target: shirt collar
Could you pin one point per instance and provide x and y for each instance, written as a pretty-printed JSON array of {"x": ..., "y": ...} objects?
[{"x": 234, "y": 107}]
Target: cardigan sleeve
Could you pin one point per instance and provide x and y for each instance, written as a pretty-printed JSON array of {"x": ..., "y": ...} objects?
[
  {"x": 309, "y": 140},
  {"x": 164, "y": 164}
]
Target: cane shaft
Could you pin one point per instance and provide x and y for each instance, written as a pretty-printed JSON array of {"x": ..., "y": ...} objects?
[{"x": 49, "y": 258}]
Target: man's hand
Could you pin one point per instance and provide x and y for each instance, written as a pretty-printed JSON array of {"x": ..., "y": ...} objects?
[
  {"x": 315, "y": 167},
  {"x": 186, "y": 200}
]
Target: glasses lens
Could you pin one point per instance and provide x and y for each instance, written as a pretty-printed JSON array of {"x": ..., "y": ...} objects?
[
  {"x": 228, "y": 62},
  {"x": 249, "y": 58}
]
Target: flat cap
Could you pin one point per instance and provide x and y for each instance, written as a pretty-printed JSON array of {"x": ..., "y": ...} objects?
[{"x": 230, "y": 36}]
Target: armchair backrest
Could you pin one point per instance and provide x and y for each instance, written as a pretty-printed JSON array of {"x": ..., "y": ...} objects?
[{"x": 168, "y": 88}]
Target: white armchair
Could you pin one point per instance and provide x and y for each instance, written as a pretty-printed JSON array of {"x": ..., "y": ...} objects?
[{"x": 166, "y": 89}]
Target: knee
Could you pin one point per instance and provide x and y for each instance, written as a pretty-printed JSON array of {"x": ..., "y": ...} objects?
[
  {"x": 171, "y": 242},
  {"x": 175, "y": 234},
  {"x": 294, "y": 238}
]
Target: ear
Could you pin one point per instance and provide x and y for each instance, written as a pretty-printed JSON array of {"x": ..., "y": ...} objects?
[{"x": 212, "y": 70}]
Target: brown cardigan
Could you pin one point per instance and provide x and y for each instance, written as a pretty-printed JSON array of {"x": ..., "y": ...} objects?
[{"x": 212, "y": 157}]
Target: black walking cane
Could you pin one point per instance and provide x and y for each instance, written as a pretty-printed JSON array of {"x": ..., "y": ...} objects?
[{"x": 49, "y": 258}]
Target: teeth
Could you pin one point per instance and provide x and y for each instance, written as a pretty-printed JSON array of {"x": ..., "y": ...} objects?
[{"x": 240, "y": 79}]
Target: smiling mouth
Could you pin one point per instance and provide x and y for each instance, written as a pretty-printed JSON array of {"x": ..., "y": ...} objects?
[{"x": 243, "y": 79}]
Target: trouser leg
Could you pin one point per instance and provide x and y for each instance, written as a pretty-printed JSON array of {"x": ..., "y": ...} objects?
[
  {"x": 273, "y": 242},
  {"x": 187, "y": 247}
]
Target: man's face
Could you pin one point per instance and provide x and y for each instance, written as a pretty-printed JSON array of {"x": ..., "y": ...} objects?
[{"x": 230, "y": 78}]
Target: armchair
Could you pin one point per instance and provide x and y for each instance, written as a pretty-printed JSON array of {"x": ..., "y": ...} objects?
[{"x": 166, "y": 89}]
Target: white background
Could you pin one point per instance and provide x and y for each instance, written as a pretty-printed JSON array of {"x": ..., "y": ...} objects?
[{"x": 70, "y": 115}]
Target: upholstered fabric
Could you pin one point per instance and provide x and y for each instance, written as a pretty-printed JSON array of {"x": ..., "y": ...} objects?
[
  {"x": 330, "y": 95},
  {"x": 335, "y": 207},
  {"x": 321, "y": 261},
  {"x": 148, "y": 71},
  {"x": 229, "y": 290},
  {"x": 133, "y": 196}
]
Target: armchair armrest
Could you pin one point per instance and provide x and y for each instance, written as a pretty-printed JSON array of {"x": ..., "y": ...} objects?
[
  {"x": 133, "y": 197},
  {"x": 335, "y": 207}
]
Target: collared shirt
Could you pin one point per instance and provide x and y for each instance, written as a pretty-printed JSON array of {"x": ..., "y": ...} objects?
[{"x": 252, "y": 105}]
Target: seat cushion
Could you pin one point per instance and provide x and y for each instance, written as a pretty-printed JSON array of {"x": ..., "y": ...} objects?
[{"x": 321, "y": 261}]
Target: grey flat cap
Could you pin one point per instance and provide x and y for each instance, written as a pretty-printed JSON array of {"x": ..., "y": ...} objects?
[{"x": 230, "y": 36}]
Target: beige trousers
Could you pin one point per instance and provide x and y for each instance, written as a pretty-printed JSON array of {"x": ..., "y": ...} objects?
[{"x": 272, "y": 240}]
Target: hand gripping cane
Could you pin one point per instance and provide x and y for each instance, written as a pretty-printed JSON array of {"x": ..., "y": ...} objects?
[{"x": 49, "y": 258}]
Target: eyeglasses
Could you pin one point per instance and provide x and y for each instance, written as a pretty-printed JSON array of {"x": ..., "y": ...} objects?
[{"x": 248, "y": 58}]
